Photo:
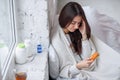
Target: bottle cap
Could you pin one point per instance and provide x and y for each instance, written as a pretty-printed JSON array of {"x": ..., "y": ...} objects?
[{"x": 21, "y": 45}]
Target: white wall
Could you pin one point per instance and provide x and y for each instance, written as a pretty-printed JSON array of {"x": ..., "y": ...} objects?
[
  {"x": 32, "y": 21},
  {"x": 109, "y": 7}
]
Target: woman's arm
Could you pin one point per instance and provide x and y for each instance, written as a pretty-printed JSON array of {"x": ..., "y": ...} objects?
[
  {"x": 93, "y": 50},
  {"x": 88, "y": 49},
  {"x": 76, "y": 69},
  {"x": 53, "y": 63}
]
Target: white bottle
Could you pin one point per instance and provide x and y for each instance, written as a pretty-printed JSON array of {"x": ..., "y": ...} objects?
[
  {"x": 20, "y": 54},
  {"x": 28, "y": 47}
]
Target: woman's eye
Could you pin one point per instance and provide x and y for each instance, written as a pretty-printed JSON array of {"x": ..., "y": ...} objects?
[{"x": 73, "y": 23}]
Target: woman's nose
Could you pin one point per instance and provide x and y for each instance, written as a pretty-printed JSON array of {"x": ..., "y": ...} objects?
[{"x": 76, "y": 26}]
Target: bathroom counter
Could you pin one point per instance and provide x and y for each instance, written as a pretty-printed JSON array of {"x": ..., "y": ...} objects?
[{"x": 37, "y": 69}]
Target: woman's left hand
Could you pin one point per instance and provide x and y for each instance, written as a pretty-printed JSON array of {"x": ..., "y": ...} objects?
[{"x": 84, "y": 63}]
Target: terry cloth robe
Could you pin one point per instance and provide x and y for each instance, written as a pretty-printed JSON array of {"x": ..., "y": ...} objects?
[
  {"x": 64, "y": 65},
  {"x": 61, "y": 59},
  {"x": 108, "y": 67}
]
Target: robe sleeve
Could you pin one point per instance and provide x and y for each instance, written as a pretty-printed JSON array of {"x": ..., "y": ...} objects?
[{"x": 53, "y": 63}]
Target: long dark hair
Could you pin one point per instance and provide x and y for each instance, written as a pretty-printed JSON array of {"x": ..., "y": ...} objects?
[{"x": 68, "y": 12}]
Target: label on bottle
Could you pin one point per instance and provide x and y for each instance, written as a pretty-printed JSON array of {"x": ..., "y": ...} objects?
[{"x": 39, "y": 48}]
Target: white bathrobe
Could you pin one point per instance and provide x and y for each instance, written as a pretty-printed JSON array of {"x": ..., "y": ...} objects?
[
  {"x": 62, "y": 63},
  {"x": 61, "y": 58}
]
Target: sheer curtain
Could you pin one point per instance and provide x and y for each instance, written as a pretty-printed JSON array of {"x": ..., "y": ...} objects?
[{"x": 52, "y": 9}]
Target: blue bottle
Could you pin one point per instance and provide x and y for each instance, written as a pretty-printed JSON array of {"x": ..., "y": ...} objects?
[{"x": 39, "y": 48}]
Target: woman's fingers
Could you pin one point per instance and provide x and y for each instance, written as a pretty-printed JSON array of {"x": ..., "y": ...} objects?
[
  {"x": 84, "y": 64},
  {"x": 82, "y": 28},
  {"x": 89, "y": 61}
]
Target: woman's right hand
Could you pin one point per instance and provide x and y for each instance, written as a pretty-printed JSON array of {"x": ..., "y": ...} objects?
[
  {"x": 84, "y": 64},
  {"x": 82, "y": 27}
]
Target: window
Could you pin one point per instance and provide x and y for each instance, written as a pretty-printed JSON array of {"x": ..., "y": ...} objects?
[{"x": 7, "y": 33}]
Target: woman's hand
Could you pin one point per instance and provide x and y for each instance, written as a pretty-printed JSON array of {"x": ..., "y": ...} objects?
[
  {"x": 84, "y": 64},
  {"x": 82, "y": 29}
]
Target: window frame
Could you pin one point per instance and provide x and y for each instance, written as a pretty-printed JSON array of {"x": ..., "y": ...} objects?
[{"x": 3, "y": 73}]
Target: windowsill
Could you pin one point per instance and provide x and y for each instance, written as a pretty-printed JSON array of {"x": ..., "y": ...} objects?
[{"x": 38, "y": 68}]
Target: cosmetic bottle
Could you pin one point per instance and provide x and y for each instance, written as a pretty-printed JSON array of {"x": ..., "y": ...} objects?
[{"x": 20, "y": 54}]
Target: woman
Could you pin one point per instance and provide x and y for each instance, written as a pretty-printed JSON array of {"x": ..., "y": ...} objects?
[{"x": 71, "y": 46}]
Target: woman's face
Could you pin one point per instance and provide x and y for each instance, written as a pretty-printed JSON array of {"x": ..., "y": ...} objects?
[{"x": 74, "y": 24}]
